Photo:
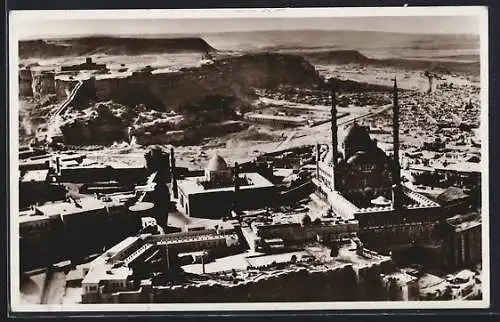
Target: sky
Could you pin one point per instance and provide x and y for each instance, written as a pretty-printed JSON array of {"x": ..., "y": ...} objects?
[{"x": 48, "y": 28}]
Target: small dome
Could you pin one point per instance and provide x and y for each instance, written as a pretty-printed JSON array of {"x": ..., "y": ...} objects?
[
  {"x": 381, "y": 201},
  {"x": 217, "y": 163}
]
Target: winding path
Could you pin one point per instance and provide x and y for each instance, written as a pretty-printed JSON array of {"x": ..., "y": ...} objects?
[{"x": 55, "y": 120}]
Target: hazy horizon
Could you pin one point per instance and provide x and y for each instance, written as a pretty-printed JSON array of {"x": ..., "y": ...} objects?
[{"x": 416, "y": 25}]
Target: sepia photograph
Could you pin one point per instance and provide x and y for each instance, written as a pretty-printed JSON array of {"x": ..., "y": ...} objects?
[{"x": 248, "y": 159}]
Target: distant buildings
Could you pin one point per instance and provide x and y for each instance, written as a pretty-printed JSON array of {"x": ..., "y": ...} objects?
[{"x": 88, "y": 65}]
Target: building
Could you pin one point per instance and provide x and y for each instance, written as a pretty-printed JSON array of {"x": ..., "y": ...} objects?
[
  {"x": 433, "y": 288},
  {"x": 464, "y": 239},
  {"x": 264, "y": 235},
  {"x": 34, "y": 188},
  {"x": 92, "y": 172},
  {"x": 277, "y": 120},
  {"x": 461, "y": 174},
  {"x": 401, "y": 286},
  {"x": 362, "y": 182},
  {"x": 88, "y": 65},
  {"x": 222, "y": 189},
  {"x": 465, "y": 285},
  {"x": 57, "y": 229},
  {"x": 120, "y": 268}
]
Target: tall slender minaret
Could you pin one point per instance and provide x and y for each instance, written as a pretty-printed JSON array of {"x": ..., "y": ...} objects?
[
  {"x": 334, "y": 136},
  {"x": 318, "y": 148},
  {"x": 236, "y": 186},
  {"x": 173, "y": 173},
  {"x": 396, "y": 175}
]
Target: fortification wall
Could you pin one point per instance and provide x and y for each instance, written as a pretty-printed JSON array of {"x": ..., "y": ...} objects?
[
  {"x": 25, "y": 82},
  {"x": 44, "y": 84},
  {"x": 343, "y": 283},
  {"x": 384, "y": 237},
  {"x": 64, "y": 88},
  {"x": 233, "y": 77}
]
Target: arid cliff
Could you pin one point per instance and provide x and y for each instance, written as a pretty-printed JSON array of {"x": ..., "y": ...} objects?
[{"x": 110, "y": 46}]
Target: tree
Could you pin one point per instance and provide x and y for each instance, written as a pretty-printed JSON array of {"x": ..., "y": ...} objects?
[
  {"x": 317, "y": 221},
  {"x": 306, "y": 220}
]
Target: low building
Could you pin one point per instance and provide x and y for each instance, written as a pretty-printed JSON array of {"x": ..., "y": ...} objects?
[
  {"x": 454, "y": 200},
  {"x": 463, "y": 174},
  {"x": 465, "y": 285},
  {"x": 294, "y": 233},
  {"x": 401, "y": 286},
  {"x": 113, "y": 271},
  {"x": 101, "y": 173},
  {"x": 277, "y": 120},
  {"x": 433, "y": 288},
  {"x": 34, "y": 188}
]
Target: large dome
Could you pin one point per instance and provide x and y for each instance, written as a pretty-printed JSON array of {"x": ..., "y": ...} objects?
[
  {"x": 357, "y": 139},
  {"x": 217, "y": 163}
]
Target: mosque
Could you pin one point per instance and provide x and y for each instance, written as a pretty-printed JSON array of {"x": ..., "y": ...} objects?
[
  {"x": 222, "y": 189},
  {"x": 360, "y": 181}
]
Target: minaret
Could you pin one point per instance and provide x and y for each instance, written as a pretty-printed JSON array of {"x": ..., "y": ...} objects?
[
  {"x": 173, "y": 174},
  {"x": 334, "y": 136},
  {"x": 236, "y": 186},
  {"x": 318, "y": 148},
  {"x": 396, "y": 175}
]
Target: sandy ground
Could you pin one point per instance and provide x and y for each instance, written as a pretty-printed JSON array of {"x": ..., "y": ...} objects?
[{"x": 235, "y": 148}]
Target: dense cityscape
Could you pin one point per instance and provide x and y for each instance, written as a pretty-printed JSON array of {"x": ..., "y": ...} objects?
[{"x": 341, "y": 182}]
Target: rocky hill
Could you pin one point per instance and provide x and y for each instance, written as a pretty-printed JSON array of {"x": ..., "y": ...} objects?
[
  {"x": 445, "y": 65},
  {"x": 338, "y": 57},
  {"x": 110, "y": 46},
  {"x": 233, "y": 77}
]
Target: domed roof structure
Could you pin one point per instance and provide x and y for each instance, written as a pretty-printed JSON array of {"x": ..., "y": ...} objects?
[
  {"x": 381, "y": 201},
  {"x": 217, "y": 163},
  {"x": 357, "y": 139}
]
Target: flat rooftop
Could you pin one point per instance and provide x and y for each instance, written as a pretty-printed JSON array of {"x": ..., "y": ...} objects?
[
  {"x": 70, "y": 207},
  {"x": 31, "y": 216},
  {"x": 102, "y": 265},
  {"x": 35, "y": 176},
  {"x": 465, "y": 224},
  {"x": 192, "y": 185}
]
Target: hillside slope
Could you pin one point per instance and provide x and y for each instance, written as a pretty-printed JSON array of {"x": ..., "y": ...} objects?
[{"x": 445, "y": 66}]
